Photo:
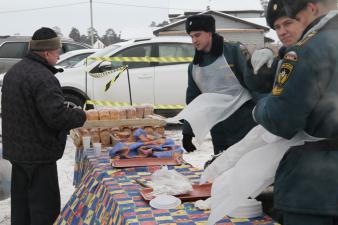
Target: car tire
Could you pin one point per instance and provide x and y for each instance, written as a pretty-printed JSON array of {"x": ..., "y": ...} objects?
[{"x": 72, "y": 100}]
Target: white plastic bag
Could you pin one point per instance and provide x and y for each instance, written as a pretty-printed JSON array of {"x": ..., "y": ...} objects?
[
  {"x": 5, "y": 178},
  {"x": 257, "y": 137},
  {"x": 169, "y": 182},
  {"x": 218, "y": 107},
  {"x": 252, "y": 172}
]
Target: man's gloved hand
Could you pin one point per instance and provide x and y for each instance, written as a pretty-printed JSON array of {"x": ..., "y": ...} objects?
[
  {"x": 187, "y": 143},
  {"x": 261, "y": 57}
]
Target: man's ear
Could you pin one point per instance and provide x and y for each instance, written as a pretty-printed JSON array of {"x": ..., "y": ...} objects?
[{"x": 313, "y": 8}]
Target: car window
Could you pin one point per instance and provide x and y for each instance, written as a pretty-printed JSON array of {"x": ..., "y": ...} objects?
[
  {"x": 136, "y": 51},
  {"x": 73, "y": 60},
  {"x": 13, "y": 49},
  {"x": 67, "y": 47},
  {"x": 175, "y": 50}
]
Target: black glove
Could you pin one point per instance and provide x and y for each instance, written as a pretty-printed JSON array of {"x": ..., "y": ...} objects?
[{"x": 187, "y": 143}]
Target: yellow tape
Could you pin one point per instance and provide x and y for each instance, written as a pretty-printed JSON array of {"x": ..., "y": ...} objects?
[
  {"x": 144, "y": 59},
  {"x": 108, "y": 103},
  {"x": 112, "y": 81},
  {"x": 106, "y": 73}
]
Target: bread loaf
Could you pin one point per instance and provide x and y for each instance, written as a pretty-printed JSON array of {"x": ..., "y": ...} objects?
[
  {"x": 114, "y": 113},
  {"x": 139, "y": 111},
  {"x": 131, "y": 113},
  {"x": 105, "y": 136},
  {"x": 104, "y": 114},
  {"x": 148, "y": 110},
  {"x": 92, "y": 114},
  {"x": 95, "y": 135},
  {"x": 123, "y": 113}
]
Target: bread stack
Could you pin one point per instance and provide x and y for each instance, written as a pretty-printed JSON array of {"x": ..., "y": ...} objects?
[{"x": 109, "y": 136}]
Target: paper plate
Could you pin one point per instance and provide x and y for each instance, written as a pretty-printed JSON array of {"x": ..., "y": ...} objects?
[
  {"x": 165, "y": 202},
  {"x": 248, "y": 209}
]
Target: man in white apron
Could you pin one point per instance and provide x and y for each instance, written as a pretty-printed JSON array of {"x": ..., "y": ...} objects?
[{"x": 218, "y": 67}]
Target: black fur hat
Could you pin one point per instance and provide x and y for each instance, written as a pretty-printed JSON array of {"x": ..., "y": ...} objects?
[
  {"x": 274, "y": 11},
  {"x": 200, "y": 23},
  {"x": 292, "y": 7}
]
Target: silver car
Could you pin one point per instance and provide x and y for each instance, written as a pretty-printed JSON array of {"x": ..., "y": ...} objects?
[{"x": 14, "y": 48}]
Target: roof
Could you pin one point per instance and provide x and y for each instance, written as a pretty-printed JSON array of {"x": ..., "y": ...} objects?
[
  {"x": 237, "y": 19},
  {"x": 19, "y": 38},
  {"x": 189, "y": 13},
  {"x": 262, "y": 21}
]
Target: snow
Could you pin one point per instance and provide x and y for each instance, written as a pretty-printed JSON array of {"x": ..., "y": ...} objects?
[{"x": 66, "y": 168}]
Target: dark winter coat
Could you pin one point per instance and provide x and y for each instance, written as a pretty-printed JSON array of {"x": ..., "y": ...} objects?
[
  {"x": 305, "y": 97},
  {"x": 35, "y": 120}
]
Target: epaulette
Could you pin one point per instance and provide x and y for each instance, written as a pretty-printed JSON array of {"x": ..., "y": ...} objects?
[{"x": 307, "y": 38}]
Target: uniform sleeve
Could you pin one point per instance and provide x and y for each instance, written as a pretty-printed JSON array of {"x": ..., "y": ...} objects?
[
  {"x": 300, "y": 82},
  {"x": 50, "y": 104}
]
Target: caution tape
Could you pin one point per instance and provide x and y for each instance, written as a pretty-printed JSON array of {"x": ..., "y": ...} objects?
[
  {"x": 106, "y": 73},
  {"x": 143, "y": 59},
  {"x": 108, "y": 103},
  {"x": 114, "y": 79}
]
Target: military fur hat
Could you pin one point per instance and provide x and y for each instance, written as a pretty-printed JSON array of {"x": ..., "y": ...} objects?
[
  {"x": 200, "y": 23},
  {"x": 45, "y": 39},
  {"x": 274, "y": 11},
  {"x": 292, "y": 7}
]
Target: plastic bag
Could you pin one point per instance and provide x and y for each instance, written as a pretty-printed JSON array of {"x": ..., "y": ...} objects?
[
  {"x": 5, "y": 178},
  {"x": 252, "y": 172},
  {"x": 218, "y": 107},
  {"x": 257, "y": 137},
  {"x": 169, "y": 182}
]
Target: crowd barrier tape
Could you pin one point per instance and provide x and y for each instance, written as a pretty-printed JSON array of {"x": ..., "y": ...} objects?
[
  {"x": 108, "y": 85},
  {"x": 144, "y": 59},
  {"x": 106, "y": 73},
  {"x": 108, "y": 103}
]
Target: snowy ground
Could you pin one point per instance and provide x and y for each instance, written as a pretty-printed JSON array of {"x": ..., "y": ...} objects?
[{"x": 65, "y": 169}]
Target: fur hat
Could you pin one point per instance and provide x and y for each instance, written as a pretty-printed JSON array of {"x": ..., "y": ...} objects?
[
  {"x": 200, "y": 23},
  {"x": 45, "y": 39},
  {"x": 274, "y": 11},
  {"x": 292, "y": 7}
]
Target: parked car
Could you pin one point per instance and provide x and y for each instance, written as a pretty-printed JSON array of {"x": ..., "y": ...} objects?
[
  {"x": 150, "y": 82},
  {"x": 71, "y": 58},
  {"x": 14, "y": 48}
]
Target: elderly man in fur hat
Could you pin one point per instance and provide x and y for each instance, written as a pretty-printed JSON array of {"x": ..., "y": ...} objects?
[
  {"x": 35, "y": 123},
  {"x": 217, "y": 67}
]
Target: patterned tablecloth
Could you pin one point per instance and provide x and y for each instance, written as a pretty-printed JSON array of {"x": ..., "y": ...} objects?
[{"x": 111, "y": 196}]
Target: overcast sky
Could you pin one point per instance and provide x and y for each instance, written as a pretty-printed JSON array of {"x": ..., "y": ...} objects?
[{"x": 24, "y": 17}]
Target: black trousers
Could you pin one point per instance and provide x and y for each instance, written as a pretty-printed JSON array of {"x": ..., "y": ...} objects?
[
  {"x": 286, "y": 218},
  {"x": 35, "y": 194}
]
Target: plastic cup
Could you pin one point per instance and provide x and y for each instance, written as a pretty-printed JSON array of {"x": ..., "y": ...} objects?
[
  {"x": 97, "y": 148},
  {"x": 86, "y": 142}
]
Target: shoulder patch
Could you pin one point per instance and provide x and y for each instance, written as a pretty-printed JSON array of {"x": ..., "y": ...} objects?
[
  {"x": 307, "y": 38},
  {"x": 291, "y": 56},
  {"x": 283, "y": 75}
]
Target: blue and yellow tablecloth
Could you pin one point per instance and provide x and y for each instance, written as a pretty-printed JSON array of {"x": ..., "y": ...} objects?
[{"x": 111, "y": 196}]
